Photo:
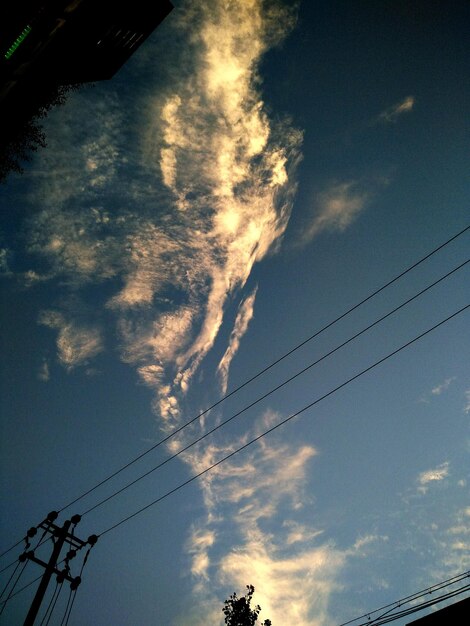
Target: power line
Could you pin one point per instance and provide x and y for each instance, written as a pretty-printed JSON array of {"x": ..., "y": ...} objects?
[
  {"x": 22, "y": 589},
  {"x": 32, "y": 532},
  {"x": 52, "y": 604},
  {"x": 436, "y": 587},
  {"x": 43, "y": 540},
  {"x": 271, "y": 391},
  {"x": 258, "y": 374},
  {"x": 8, "y": 566},
  {"x": 267, "y": 368},
  {"x": 35, "y": 580},
  {"x": 11, "y": 548},
  {"x": 284, "y": 421},
  {"x": 11, "y": 594},
  {"x": 419, "y": 607}
]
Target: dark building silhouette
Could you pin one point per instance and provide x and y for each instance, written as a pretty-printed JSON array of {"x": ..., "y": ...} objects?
[
  {"x": 457, "y": 614},
  {"x": 51, "y": 44}
]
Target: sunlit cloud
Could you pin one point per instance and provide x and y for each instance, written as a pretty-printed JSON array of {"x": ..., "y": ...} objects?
[
  {"x": 255, "y": 499},
  {"x": 455, "y": 542},
  {"x": 290, "y": 589},
  {"x": 76, "y": 345},
  {"x": 227, "y": 168},
  {"x": 299, "y": 532},
  {"x": 198, "y": 545},
  {"x": 336, "y": 209},
  {"x": 244, "y": 315},
  {"x": 170, "y": 254},
  {"x": 433, "y": 475},
  {"x": 393, "y": 112}
]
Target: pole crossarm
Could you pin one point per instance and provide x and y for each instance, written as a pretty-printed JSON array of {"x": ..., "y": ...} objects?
[{"x": 63, "y": 574}]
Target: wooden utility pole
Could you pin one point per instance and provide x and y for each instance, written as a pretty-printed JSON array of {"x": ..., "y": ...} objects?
[{"x": 60, "y": 536}]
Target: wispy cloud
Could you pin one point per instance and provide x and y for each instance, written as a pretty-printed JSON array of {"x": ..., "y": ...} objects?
[
  {"x": 198, "y": 546},
  {"x": 299, "y": 532},
  {"x": 466, "y": 408},
  {"x": 43, "y": 371},
  {"x": 293, "y": 589},
  {"x": 293, "y": 569},
  {"x": 76, "y": 345},
  {"x": 4, "y": 267},
  {"x": 244, "y": 315},
  {"x": 438, "y": 389},
  {"x": 433, "y": 475},
  {"x": 227, "y": 169},
  {"x": 391, "y": 114},
  {"x": 173, "y": 245},
  {"x": 336, "y": 208},
  {"x": 455, "y": 543}
]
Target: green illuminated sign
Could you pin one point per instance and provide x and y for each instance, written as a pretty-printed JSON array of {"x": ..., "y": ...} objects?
[{"x": 17, "y": 43}]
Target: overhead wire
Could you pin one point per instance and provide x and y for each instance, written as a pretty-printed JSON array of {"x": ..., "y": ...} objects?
[
  {"x": 18, "y": 563},
  {"x": 258, "y": 374},
  {"x": 66, "y": 608},
  {"x": 41, "y": 541},
  {"x": 64, "y": 560},
  {"x": 74, "y": 588},
  {"x": 392, "y": 617},
  {"x": 8, "y": 567},
  {"x": 52, "y": 604},
  {"x": 22, "y": 589},
  {"x": 267, "y": 368},
  {"x": 417, "y": 594},
  {"x": 274, "y": 389},
  {"x": 284, "y": 421},
  {"x": 22, "y": 559},
  {"x": 26, "y": 539},
  {"x": 109, "y": 529},
  {"x": 11, "y": 547},
  {"x": 10, "y": 594}
]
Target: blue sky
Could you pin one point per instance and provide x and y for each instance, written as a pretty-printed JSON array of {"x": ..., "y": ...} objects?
[{"x": 254, "y": 171}]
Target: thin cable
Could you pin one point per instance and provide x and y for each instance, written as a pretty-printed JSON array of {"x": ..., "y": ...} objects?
[
  {"x": 271, "y": 391},
  {"x": 284, "y": 421},
  {"x": 13, "y": 562},
  {"x": 265, "y": 369},
  {"x": 11, "y": 548},
  {"x": 29, "y": 584},
  {"x": 22, "y": 589},
  {"x": 11, "y": 577},
  {"x": 80, "y": 576},
  {"x": 443, "y": 583},
  {"x": 390, "y": 615},
  {"x": 66, "y": 608},
  {"x": 55, "y": 602},
  {"x": 384, "y": 616},
  {"x": 10, "y": 595},
  {"x": 415, "y": 609},
  {"x": 28, "y": 544},
  {"x": 5, "y": 569},
  {"x": 50, "y": 606},
  {"x": 71, "y": 607}
]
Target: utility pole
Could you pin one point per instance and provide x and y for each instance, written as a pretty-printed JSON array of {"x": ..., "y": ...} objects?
[{"x": 60, "y": 536}]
